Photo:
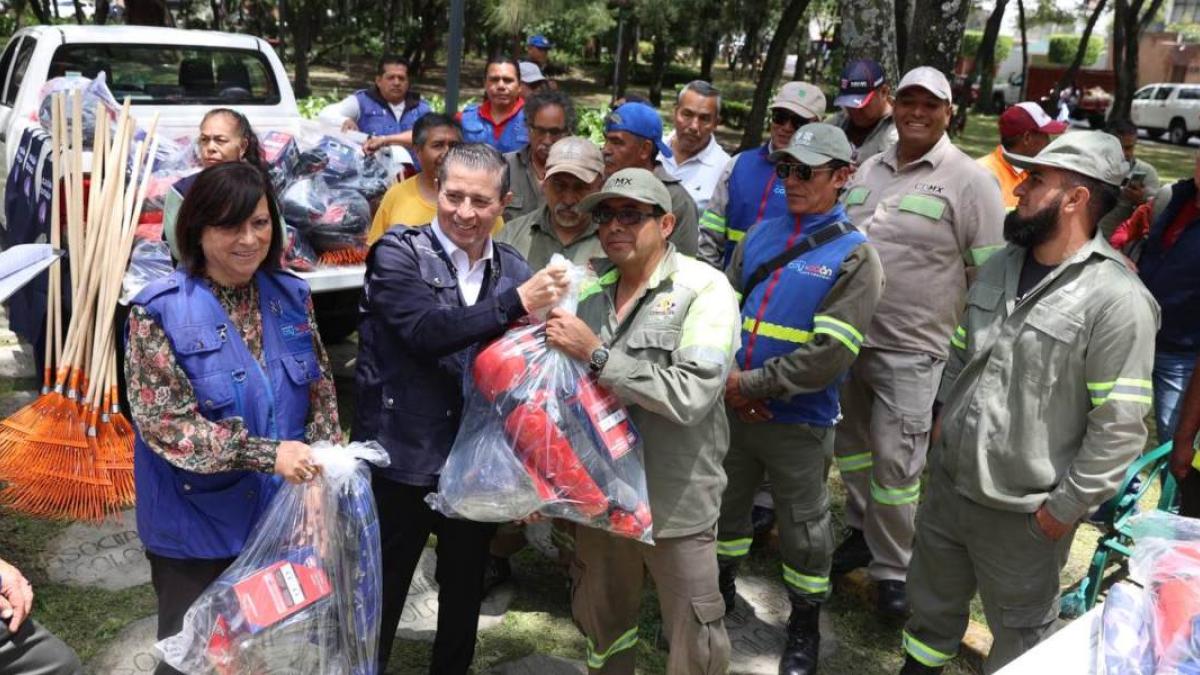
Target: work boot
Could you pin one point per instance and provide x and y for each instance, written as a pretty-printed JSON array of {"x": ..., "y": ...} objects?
[
  {"x": 762, "y": 518},
  {"x": 915, "y": 667},
  {"x": 892, "y": 599},
  {"x": 727, "y": 569},
  {"x": 803, "y": 638},
  {"x": 851, "y": 554}
]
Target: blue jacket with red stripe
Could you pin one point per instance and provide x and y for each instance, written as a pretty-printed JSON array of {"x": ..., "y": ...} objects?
[{"x": 755, "y": 194}]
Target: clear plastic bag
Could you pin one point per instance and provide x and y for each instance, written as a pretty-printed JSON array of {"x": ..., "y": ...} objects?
[
  {"x": 539, "y": 434},
  {"x": 94, "y": 91},
  {"x": 281, "y": 154},
  {"x": 150, "y": 261},
  {"x": 1126, "y": 647},
  {"x": 332, "y": 220},
  {"x": 303, "y": 598},
  {"x": 338, "y": 158},
  {"x": 298, "y": 254},
  {"x": 1166, "y": 562}
]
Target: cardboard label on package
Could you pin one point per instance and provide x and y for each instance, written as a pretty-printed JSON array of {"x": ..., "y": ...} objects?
[{"x": 279, "y": 591}]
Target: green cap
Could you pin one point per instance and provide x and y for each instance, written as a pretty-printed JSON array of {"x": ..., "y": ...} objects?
[
  {"x": 815, "y": 144},
  {"x": 1094, "y": 154},
  {"x": 636, "y": 184}
]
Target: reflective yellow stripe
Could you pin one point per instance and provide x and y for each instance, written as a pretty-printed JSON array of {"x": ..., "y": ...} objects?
[
  {"x": 775, "y": 331},
  {"x": 959, "y": 339},
  {"x": 825, "y": 318},
  {"x": 924, "y": 653},
  {"x": 895, "y": 496},
  {"x": 1122, "y": 389},
  {"x": 854, "y": 462},
  {"x": 805, "y": 583},
  {"x": 711, "y": 221},
  {"x": 980, "y": 254},
  {"x": 839, "y": 330},
  {"x": 596, "y": 660},
  {"x": 735, "y": 235},
  {"x": 734, "y": 547}
]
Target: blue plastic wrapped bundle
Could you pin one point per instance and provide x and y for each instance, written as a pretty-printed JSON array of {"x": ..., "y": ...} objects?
[{"x": 1125, "y": 642}]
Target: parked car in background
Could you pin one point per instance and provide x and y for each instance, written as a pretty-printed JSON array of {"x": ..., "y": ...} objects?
[{"x": 1169, "y": 108}]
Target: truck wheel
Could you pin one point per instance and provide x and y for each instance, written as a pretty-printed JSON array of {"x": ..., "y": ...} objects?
[
  {"x": 1178, "y": 132},
  {"x": 998, "y": 103},
  {"x": 1153, "y": 133},
  {"x": 337, "y": 314}
]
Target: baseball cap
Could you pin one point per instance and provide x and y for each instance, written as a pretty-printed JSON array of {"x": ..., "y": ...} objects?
[
  {"x": 815, "y": 144},
  {"x": 538, "y": 41},
  {"x": 638, "y": 119},
  {"x": 1028, "y": 116},
  {"x": 577, "y": 156},
  {"x": 928, "y": 78},
  {"x": 802, "y": 98},
  {"x": 860, "y": 79},
  {"x": 530, "y": 73},
  {"x": 1091, "y": 153},
  {"x": 636, "y": 184}
]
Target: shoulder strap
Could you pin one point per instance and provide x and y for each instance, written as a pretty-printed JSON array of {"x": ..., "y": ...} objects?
[{"x": 819, "y": 238}]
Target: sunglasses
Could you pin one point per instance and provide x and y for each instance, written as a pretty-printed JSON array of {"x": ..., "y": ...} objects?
[
  {"x": 780, "y": 116},
  {"x": 556, "y": 132},
  {"x": 626, "y": 217},
  {"x": 801, "y": 171}
]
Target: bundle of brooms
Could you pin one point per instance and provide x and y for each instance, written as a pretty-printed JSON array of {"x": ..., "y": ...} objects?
[{"x": 69, "y": 453}]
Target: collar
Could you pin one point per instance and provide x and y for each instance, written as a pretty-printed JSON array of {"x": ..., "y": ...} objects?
[
  {"x": 485, "y": 111},
  {"x": 545, "y": 225},
  {"x": 452, "y": 249},
  {"x": 661, "y": 173},
  {"x": 609, "y": 274},
  {"x": 998, "y": 157},
  {"x": 1096, "y": 247},
  {"x": 933, "y": 157},
  {"x": 410, "y": 99},
  {"x": 706, "y": 156}
]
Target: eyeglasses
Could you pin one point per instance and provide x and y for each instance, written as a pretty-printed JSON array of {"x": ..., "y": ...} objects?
[
  {"x": 801, "y": 171},
  {"x": 554, "y": 132},
  {"x": 780, "y": 116},
  {"x": 626, "y": 217}
]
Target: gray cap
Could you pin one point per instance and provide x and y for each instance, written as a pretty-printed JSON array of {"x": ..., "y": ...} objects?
[
  {"x": 815, "y": 144},
  {"x": 802, "y": 98},
  {"x": 577, "y": 156},
  {"x": 928, "y": 78},
  {"x": 1094, "y": 154},
  {"x": 530, "y": 73},
  {"x": 636, "y": 184}
]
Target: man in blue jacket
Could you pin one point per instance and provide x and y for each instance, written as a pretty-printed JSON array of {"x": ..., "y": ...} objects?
[
  {"x": 431, "y": 294},
  {"x": 386, "y": 112}
]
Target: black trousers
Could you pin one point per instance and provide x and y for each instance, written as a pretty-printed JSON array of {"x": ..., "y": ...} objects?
[
  {"x": 178, "y": 583},
  {"x": 1189, "y": 495},
  {"x": 405, "y": 523}
]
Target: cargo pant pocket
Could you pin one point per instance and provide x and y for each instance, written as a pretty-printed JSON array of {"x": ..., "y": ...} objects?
[
  {"x": 813, "y": 532},
  {"x": 1023, "y": 627},
  {"x": 708, "y": 648}
]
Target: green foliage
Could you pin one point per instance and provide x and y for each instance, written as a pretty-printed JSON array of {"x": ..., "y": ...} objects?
[
  {"x": 591, "y": 123},
  {"x": 311, "y": 106},
  {"x": 1188, "y": 32},
  {"x": 571, "y": 29},
  {"x": 1048, "y": 14},
  {"x": 972, "y": 39},
  {"x": 1063, "y": 47},
  {"x": 734, "y": 113}
]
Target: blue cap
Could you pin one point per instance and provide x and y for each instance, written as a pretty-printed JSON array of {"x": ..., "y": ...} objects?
[
  {"x": 859, "y": 81},
  {"x": 538, "y": 41},
  {"x": 638, "y": 119}
]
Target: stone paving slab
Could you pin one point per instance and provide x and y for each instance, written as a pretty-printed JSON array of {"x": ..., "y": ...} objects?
[
  {"x": 108, "y": 556},
  {"x": 418, "y": 621},
  {"x": 13, "y": 401},
  {"x": 539, "y": 664},
  {"x": 131, "y": 653},
  {"x": 757, "y": 626}
]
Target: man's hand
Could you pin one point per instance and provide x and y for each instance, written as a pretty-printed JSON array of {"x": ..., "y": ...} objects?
[
  {"x": 543, "y": 289},
  {"x": 16, "y": 596},
  {"x": 1181, "y": 456},
  {"x": 570, "y": 335},
  {"x": 754, "y": 412},
  {"x": 374, "y": 143},
  {"x": 1135, "y": 193},
  {"x": 1050, "y": 525},
  {"x": 734, "y": 398},
  {"x": 349, "y": 125}
]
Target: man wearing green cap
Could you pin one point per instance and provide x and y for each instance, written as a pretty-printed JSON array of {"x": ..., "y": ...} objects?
[
  {"x": 809, "y": 283},
  {"x": 659, "y": 329},
  {"x": 1044, "y": 400}
]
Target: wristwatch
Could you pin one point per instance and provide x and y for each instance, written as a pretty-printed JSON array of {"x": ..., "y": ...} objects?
[{"x": 598, "y": 359}]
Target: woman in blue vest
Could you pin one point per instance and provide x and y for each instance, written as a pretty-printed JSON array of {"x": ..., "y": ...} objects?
[{"x": 228, "y": 383}]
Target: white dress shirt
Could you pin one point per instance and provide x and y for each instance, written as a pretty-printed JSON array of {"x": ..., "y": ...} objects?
[
  {"x": 347, "y": 108},
  {"x": 699, "y": 174},
  {"x": 470, "y": 277}
]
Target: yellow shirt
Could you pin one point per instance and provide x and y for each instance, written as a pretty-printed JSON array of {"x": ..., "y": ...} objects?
[
  {"x": 1006, "y": 174},
  {"x": 403, "y": 205}
]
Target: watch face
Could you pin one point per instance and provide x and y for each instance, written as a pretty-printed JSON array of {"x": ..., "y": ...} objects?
[{"x": 599, "y": 358}]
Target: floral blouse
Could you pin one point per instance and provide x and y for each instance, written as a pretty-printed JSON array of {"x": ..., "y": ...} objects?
[{"x": 168, "y": 415}]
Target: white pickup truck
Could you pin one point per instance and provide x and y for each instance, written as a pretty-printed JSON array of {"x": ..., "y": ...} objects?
[{"x": 179, "y": 74}]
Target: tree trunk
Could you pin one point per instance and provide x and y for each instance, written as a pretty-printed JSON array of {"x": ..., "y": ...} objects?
[
  {"x": 803, "y": 47},
  {"x": 985, "y": 59},
  {"x": 103, "y": 7},
  {"x": 793, "y": 11},
  {"x": 708, "y": 56},
  {"x": 301, "y": 44},
  {"x": 868, "y": 31},
  {"x": 1024, "y": 49},
  {"x": 903, "y": 11},
  {"x": 147, "y": 13},
  {"x": 389, "y": 25},
  {"x": 620, "y": 56},
  {"x": 1068, "y": 75},
  {"x": 937, "y": 47},
  {"x": 658, "y": 67},
  {"x": 1128, "y": 24}
]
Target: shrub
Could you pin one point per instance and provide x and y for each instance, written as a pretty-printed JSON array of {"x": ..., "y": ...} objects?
[
  {"x": 972, "y": 40},
  {"x": 1063, "y": 47}
]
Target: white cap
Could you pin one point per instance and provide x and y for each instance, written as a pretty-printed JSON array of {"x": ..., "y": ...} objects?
[
  {"x": 928, "y": 78},
  {"x": 530, "y": 73}
]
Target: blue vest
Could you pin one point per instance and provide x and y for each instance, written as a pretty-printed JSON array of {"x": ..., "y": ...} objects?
[
  {"x": 375, "y": 116},
  {"x": 754, "y": 194},
  {"x": 477, "y": 129},
  {"x": 777, "y": 315},
  {"x": 187, "y": 515},
  {"x": 1173, "y": 275}
]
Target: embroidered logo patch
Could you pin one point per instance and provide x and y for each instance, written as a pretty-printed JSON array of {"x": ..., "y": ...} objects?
[
  {"x": 811, "y": 269},
  {"x": 931, "y": 188},
  {"x": 294, "y": 330},
  {"x": 664, "y": 305}
]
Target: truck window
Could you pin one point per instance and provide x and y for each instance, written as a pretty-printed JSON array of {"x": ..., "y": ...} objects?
[
  {"x": 6, "y": 61},
  {"x": 173, "y": 74},
  {"x": 1143, "y": 94},
  {"x": 20, "y": 65},
  {"x": 1163, "y": 93},
  {"x": 1188, "y": 94}
]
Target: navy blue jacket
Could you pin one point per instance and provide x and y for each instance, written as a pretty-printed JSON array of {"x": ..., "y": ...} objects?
[
  {"x": 1173, "y": 275},
  {"x": 415, "y": 336}
]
